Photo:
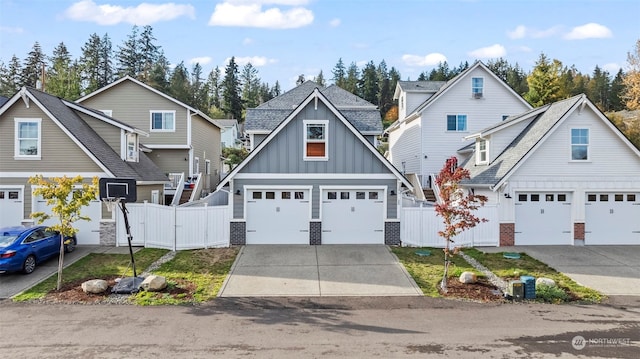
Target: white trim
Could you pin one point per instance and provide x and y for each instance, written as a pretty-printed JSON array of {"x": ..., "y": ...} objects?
[
  {"x": 322, "y": 189},
  {"x": 53, "y": 174},
  {"x": 163, "y": 112},
  {"x": 168, "y": 147},
  {"x": 383, "y": 176},
  {"x": 481, "y": 93},
  {"x": 16, "y": 140},
  {"x": 248, "y": 188},
  {"x": 305, "y": 140},
  {"x": 292, "y": 115},
  {"x": 588, "y": 144},
  {"x": 478, "y": 151}
]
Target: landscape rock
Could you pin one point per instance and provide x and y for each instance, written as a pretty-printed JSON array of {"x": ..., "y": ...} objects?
[
  {"x": 154, "y": 283},
  {"x": 545, "y": 281},
  {"x": 468, "y": 277},
  {"x": 95, "y": 286}
]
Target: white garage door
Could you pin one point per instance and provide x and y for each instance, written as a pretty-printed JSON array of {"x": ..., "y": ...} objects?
[
  {"x": 543, "y": 219},
  {"x": 11, "y": 207},
  {"x": 353, "y": 216},
  {"x": 88, "y": 231},
  {"x": 612, "y": 218},
  {"x": 278, "y": 216}
]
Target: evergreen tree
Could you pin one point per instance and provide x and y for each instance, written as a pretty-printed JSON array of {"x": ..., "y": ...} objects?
[
  {"x": 198, "y": 89},
  {"x": 179, "y": 86},
  {"x": 158, "y": 77},
  {"x": 33, "y": 67},
  {"x": 12, "y": 78},
  {"x": 320, "y": 79},
  {"x": 544, "y": 82},
  {"x": 129, "y": 55},
  {"x": 385, "y": 94},
  {"x": 441, "y": 72},
  {"x": 63, "y": 76},
  {"x": 250, "y": 86},
  {"x": 598, "y": 89},
  {"x": 90, "y": 63},
  {"x": 276, "y": 90},
  {"x": 106, "y": 72},
  {"x": 352, "y": 79},
  {"x": 300, "y": 80},
  {"x": 231, "y": 100},
  {"x": 213, "y": 82},
  {"x": 264, "y": 94},
  {"x": 149, "y": 53},
  {"x": 615, "y": 101},
  {"x": 339, "y": 74},
  {"x": 369, "y": 85}
]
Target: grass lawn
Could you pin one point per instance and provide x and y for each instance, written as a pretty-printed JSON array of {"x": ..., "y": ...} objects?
[
  {"x": 514, "y": 268},
  {"x": 428, "y": 271},
  {"x": 93, "y": 266}
]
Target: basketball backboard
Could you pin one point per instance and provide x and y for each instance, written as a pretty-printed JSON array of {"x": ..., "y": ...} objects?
[{"x": 123, "y": 189}]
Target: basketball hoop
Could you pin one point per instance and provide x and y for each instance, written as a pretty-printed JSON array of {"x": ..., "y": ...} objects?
[{"x": 111, "y": 202}]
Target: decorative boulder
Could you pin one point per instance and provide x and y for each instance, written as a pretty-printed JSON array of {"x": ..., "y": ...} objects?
[
  {"x": 545, "y": 281},
  {"x": 95, "y": 286},
  {"x": 154, "y": 283},
  {"x": 468, "y": 277}
]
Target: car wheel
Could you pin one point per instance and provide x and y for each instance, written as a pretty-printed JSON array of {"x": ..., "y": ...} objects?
[
  {"x": 29, "y": 265},
  {"x": 71, "y": 246}
]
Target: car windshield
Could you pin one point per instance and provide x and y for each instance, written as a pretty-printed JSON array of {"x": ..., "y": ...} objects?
[{"x": 6, "y": 239}]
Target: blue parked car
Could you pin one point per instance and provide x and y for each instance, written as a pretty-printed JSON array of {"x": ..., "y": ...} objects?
[{"x": 22, "y": 248}]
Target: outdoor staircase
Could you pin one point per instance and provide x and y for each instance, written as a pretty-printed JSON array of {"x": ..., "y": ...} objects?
[
  {"x": 429, "y": 195},
  {"x": 186, "y": 194}
]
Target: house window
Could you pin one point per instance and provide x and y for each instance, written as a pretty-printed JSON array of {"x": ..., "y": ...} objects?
[
  {"x": 477, "y": 87},
  {"x": 132, "y": 147},
  {"x": 315, "y": 140},
  {"x": 163, "y": 121},
  {"x": 483, "y": 154},
  {"x": 456, "y": 122},
  {"x": 28, "y": 138},
  {"x": 579, "y": 144}
]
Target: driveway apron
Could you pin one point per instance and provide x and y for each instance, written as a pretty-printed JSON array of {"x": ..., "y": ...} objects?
[
  {"x": 611, "y": 270},
  {"x": 327, "y": 270}
]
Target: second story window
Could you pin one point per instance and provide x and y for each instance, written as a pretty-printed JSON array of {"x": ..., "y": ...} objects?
[
  {"x": 163, "y": 121},
  {"x": 27, "y": 138},
  {"x": 132, "y": 147},
  {"x": 315, "y": 140},
  {"x": 579, "y": 144},
  {"x": 456, "y": 123},
  {"x": 482, "y": 152},
  {"x": 477, "y": 87}
]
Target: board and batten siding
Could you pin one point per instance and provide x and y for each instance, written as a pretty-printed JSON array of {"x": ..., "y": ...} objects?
[
  {"x": 131, "y": 104},
  {"x": 405, "y": 147},
  {"x": 390, "y": 184},
  {"x": 58, "y": 153},
  {"x": 285, "y": 152},
  {"x": 438, "y": 144}
]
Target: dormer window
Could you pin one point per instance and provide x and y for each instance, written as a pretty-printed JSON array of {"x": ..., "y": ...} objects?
[
  {"x": 477, "y": 87},
  {"x": 315, "y": 140},
  {"x": 132, "y": 147},
  {"x": 482, "y": 152}
]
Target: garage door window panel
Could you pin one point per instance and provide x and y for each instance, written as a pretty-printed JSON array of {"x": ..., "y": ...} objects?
[
  {"x": 315, "y": 140},
  {"x": 270, "y": 195},
  {"x": 256, "y": 195},
  {"x": 360, "y": 195},
  {"x": 286, "y": 195}
]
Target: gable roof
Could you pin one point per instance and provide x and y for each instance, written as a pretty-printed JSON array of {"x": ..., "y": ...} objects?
[
  {"x": 448, "y": 85},
  {"x": 316, "y": 95},
  {"x": 63, "y": 113},
  {"x": 149, "y": 88},
  {"x": 364, "y": 115},
  {"x": 417, "y": 86},
  {"x": 227, "y": 123},
  {"x": 544, "y": 121},
  {"x": 3, "y": 100}
]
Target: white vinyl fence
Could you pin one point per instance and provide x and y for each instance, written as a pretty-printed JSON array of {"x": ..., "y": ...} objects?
[
  {"x": 419, "y": 227},
  {"x": 175, "y": 228}
]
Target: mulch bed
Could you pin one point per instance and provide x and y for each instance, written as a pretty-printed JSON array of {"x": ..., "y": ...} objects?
[{"x": 481, "y": 291}]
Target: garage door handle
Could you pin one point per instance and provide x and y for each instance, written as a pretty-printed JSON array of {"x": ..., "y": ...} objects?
[
  {"x": 304, "y": 230},
  {"x": 566, "y": 231},
  {"x": 251, "y": 230},
  {"x": 517, "y": 232},
  {"x": 635, "y": 231},
  {"x": 378, "y": 230},
  {"x": 326, "y": 230}
]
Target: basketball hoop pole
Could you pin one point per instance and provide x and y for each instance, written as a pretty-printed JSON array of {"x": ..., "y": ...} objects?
[{"x": 129, "y": 236}]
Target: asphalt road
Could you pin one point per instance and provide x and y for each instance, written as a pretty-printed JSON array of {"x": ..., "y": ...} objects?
[{"x": 322, "y": 327}]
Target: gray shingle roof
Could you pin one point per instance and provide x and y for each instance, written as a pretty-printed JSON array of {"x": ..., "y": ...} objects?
[
  {"x": 144, "y": 170},
  {"x": 364, "y": 115},
  {"x": 227, "y": 123},
  {"x": 421, "y": 86},
  {"x": 523, "y": 143}
]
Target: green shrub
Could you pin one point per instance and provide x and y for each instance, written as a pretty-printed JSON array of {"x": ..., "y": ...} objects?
[{"x": 551, "y": 294}]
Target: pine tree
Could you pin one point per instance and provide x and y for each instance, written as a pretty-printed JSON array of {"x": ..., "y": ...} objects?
[
  {"x": 213, "y": 81},
  {"x": 369, "y": 85},
  {"x": 149, "y": 53},
  {"x": 63, "y": 77},
  {"x": 179, "y": 86},
  {"x": 598, "y": 89},
  {"x": 544, "y": 82},
  {"x": 617, "y": 86},
  {"x": 320, "y": 79},
  {"x": 198, "y": 88},
  {"x": 90, "y": 63},
  {"x": 231, "y": 101},
  {"x": 129, "y": 55},
  {"x": 158, "y": 77},
  {"x": 250, "y": 86},
  {"x": 339, "y": 74},
  {"x": 106, "y": 72},
  {"x": 385, "y": 93},
  {"x": 352, "y": 79},
  {"x": 276, "y": 90},
  {"x": 12, "y": 78},
  {"x": 33, "y": 67}
]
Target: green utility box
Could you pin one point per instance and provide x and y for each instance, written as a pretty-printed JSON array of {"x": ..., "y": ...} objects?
[{"x": 516, "y": 290}]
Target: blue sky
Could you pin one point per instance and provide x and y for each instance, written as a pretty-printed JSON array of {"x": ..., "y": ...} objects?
[{"x": 286, "y": 38}]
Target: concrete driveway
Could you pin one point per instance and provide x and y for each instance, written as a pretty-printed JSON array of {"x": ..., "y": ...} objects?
[
  {"x": 327, "y": 270},
  {"x": 15, "y": 283},
  {"x": 611, "y": 270}
]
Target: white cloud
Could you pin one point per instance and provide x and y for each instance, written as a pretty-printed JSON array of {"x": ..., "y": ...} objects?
[
  {"x": 335, "y": 22},
  {"x": 521, "y": 31},
  {"x": 524, "y": 49},
  {"x": 256, "y": 61},
  {"x": 427, "y": 60},
  {"x": 204, "y": 60},
  {"x": 612, "y": 68},
  {"x": 489, "y": 52},
  {"x": 11, "y": 30},
  {"x": 589, "y": 31},
  {"x": 247, "y": 41},
  {"x": 250, "y": 14},
  {"x": 143, "y": 14}
]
